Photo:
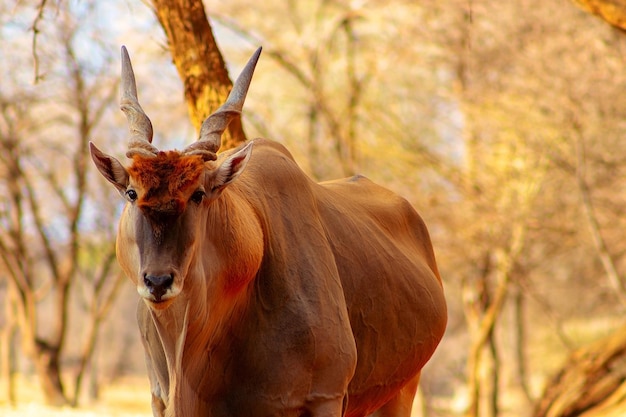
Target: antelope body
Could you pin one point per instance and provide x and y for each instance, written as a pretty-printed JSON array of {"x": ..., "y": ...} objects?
[{"x": 263, "y": 293}]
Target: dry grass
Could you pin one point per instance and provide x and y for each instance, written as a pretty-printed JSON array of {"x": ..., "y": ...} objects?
[{"x": 127, "y": 398}]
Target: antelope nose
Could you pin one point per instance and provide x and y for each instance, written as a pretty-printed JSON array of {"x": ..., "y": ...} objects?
[{"x": 158, "y": 284}]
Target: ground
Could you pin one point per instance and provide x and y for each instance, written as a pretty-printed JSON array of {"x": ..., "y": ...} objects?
[{"x": 127, "y": 398}]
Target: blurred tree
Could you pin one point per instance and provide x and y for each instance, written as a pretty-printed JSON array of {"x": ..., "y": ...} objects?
[
  {"x": 592, "y": 382},
  {"x": 8, "y": 333},
  {"x": 322, "y": 68},
  {"x": 198, "y": 61},
  {"x": 516, "y": 82},
  {"x": 43, "y": 171}
]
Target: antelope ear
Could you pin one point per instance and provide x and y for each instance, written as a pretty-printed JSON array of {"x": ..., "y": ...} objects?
[
  {"x": 232, "y": 167},
  {"x": 110, "y": 168}
]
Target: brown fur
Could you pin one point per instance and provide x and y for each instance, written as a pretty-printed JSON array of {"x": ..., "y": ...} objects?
[{"x": 167, "y": 181}]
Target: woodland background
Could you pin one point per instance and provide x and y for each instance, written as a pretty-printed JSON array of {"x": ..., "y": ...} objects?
[{"x": 502, "y": 122}]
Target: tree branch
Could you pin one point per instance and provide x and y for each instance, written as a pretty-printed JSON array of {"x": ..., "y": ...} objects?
[
  {"x": 602, "y": 249},
  {"x": 35, "y": 29}
]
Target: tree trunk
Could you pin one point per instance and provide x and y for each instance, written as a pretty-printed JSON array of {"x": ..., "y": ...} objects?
[
  {"x": 520, "y": 344},
  {"x": 493, "y": 409},
  {"x": 7, "y": 346},
  {"x": 591, "y": 383},
  {"x": 85, "y": 358},
  {"x": 198, "y": 61},
  {"x": 47, "y": 363}
]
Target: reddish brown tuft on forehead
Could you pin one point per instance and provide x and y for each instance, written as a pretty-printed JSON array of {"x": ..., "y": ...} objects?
[{"x": 167, "y": 180}]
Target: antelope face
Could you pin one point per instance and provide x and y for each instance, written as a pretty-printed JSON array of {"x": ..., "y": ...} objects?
[{"x": 167, "y": 191}]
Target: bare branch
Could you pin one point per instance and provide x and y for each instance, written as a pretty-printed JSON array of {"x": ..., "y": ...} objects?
[
  {"x": 608, "y": 263},
  {"x": 35, "y": 29}
]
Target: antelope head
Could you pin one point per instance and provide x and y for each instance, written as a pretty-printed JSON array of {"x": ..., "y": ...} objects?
[{"x": 167, "y": 192}]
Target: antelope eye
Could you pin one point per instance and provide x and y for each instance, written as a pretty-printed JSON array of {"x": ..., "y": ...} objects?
[
  {"x": 131, "y": 194},
  {"x": 198, "y": 196}
]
